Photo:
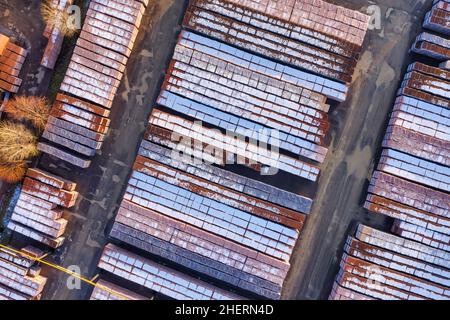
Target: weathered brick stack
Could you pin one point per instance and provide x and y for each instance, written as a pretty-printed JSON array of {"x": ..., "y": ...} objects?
[
  {"x": 113, "y": 292},
  {"x": 175, "y": 125},
  {"x": 12, "y": 58},
  {"x": 412, "y": 185},
  {"x": 76, "y": 125},
  {"x": 316, "y": 36},
  {"x": 79, "y": 118},
  {"x": 379, "y": 265},
  {"x": 38, "y": 213},
  {"x": 432, "y": 46},
  {"x": 159, "y": 278},
  {"x": 438, "y": 19},
  {"x": 55, "y": 37},
  {"x": 20, "y": 277}
]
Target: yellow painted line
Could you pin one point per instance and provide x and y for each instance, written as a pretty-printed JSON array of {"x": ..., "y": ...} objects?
[
  {"x": 67, "y": 271},
  {"x": 44, "y": 256},
  {"x": 95, "y": 277}
]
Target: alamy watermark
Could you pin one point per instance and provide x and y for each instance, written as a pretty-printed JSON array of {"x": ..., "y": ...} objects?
[{"x": 258, "y": 149}]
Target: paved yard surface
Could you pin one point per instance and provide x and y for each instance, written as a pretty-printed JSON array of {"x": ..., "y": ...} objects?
[{"x": 357, "y": 128}]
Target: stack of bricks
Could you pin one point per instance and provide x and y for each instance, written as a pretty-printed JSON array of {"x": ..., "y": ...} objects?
[
  {"x": 412, "y": 185},
  {"x": 415, "y": 169},
  {"x": 378, "y": 265},
  {"x": 20, "y": 277},
  {"x": 12, "y": 58},
  {"x": 433, "y": 46},
  {"x": 438, "y": 19},
  {"x": 429, "y": 80},
  {"x": 108, "y": 291},
  {"x": 191, "y": 44},
  {"x": 38, "y": 213},
  {"x": 412, "y": 181},
  {"x": 92, "y": 80},
  {"x": 159, "y": 278},
  {"x": 227, "y": 179},
  {"x": 76, "y": 125},
  {"x": 316, "y": 36},
  {"x": 222, "y": 144},
  {"x": 55, "y": 36}
]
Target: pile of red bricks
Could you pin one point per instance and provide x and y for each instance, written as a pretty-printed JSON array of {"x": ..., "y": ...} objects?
[
  {"x": 313, "y": 35},
  {"x": 79, "y": 118},
  {"x": 38, "y": 213},
  {"x": 12, "y": 58},
  {"x": 108, "y": 291},
  {"x": 220, "y": 85},
  {"x": 55, "y": 37},
  {"x": 20, "y": 277},
  {"x": 411, "y": 185},
  {"x": 249, "y": 250}
]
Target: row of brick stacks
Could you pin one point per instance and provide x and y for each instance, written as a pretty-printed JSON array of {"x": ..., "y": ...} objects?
[
  {"x": 55, "y": 36},
  {"x": 182, "y": 204},
  {"x": 215, "y": 222},
  {"x": 411, "y": 185},
  {"x": 312, "y": 35},
  {"x": 158, "y": 277},
  {"x": 12, "y": 58},
  {"x": 20, "y": 277},
  {"x": 79, "y": 118},
  {"x": 172, "y": 125},
  {"x": 39, "y": 211}
]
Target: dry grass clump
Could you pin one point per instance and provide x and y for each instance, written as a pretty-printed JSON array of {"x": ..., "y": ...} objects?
[
  {"x": 59, "y": 19},
  {"x": 18, "y": 145},
  {"x": 34, "y": 109},
  {"x": 12, "y": 172}
]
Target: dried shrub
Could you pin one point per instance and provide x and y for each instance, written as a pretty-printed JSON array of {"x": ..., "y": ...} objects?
[
  {"x": 17, "y": 143},
  {"x": 12, "y": 172},
  {"x": 34, "y": 109}
]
